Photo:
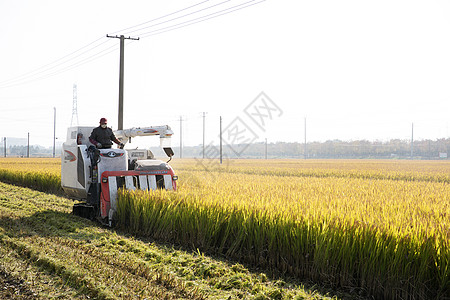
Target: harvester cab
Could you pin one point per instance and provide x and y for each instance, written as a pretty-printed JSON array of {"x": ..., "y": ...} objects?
[{"x": 94, "y": 176}]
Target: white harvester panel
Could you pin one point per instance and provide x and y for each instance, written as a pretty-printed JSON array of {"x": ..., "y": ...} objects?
[
  {"x": 113, "y": 192},
  {"x": 75, "y": 170},
  {"x": 152, "y": 182},
  {"x": 168, "y": 182},
  {"x": 75, "y": 163},
  {"x": 112, "y": 160},
  {"x": 129, "y": 185}
]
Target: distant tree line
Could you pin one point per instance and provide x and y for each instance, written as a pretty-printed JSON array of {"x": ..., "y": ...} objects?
[
  {"x": 34, "y": 151},
  {"x": 396, "y": 148}
]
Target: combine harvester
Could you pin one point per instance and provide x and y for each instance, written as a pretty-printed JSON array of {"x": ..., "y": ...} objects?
[{"x": 94, "y": 176}]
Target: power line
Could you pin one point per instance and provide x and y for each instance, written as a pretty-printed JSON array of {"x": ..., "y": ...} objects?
[
  {"x": 159, "y": 18},
  {"x": 194, "y": 21},
  {"x": 200, "y": 19},
  {"x": 29, "y": 77},
  {"x": 191, "y": 13},
  {"x": 65, "y": 69},
  {"x": 17, "y": 80},
  {"x": 26, "y": 75}
]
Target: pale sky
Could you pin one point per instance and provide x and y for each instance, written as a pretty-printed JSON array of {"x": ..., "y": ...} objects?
[{"x": 353, "y": 69}]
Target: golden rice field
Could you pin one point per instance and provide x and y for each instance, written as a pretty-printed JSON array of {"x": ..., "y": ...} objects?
[
  {"x": 380, "y": 227},
  {"x": 402, "y": 208}
]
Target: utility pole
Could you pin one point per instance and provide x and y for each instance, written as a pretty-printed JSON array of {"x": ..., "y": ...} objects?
[
  {"x": 265, "y": 152},
  {"x": 220, "y": 139},
  {"x": 121, "y": 73},
  {"x": 204, "y": 114},
  {"x": 74, "y": 105},
  {"x": 412, "y": 139},
  {"x": 28, "y": 145},
  {"x": 54, "y": 129},
  {"x": 305, "y": 137},
  {"x": 4, "y": 141},
  {"x": 181, "y": 137}
]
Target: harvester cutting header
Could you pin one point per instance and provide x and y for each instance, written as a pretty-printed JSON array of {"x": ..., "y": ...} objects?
[{"x": 93, "y": 173}]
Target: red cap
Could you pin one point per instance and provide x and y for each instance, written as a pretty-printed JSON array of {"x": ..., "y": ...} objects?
[{"x": 103, "y": 121}]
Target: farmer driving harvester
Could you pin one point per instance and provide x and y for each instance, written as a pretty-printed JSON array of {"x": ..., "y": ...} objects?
[{"x": 102, "y": 136}]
